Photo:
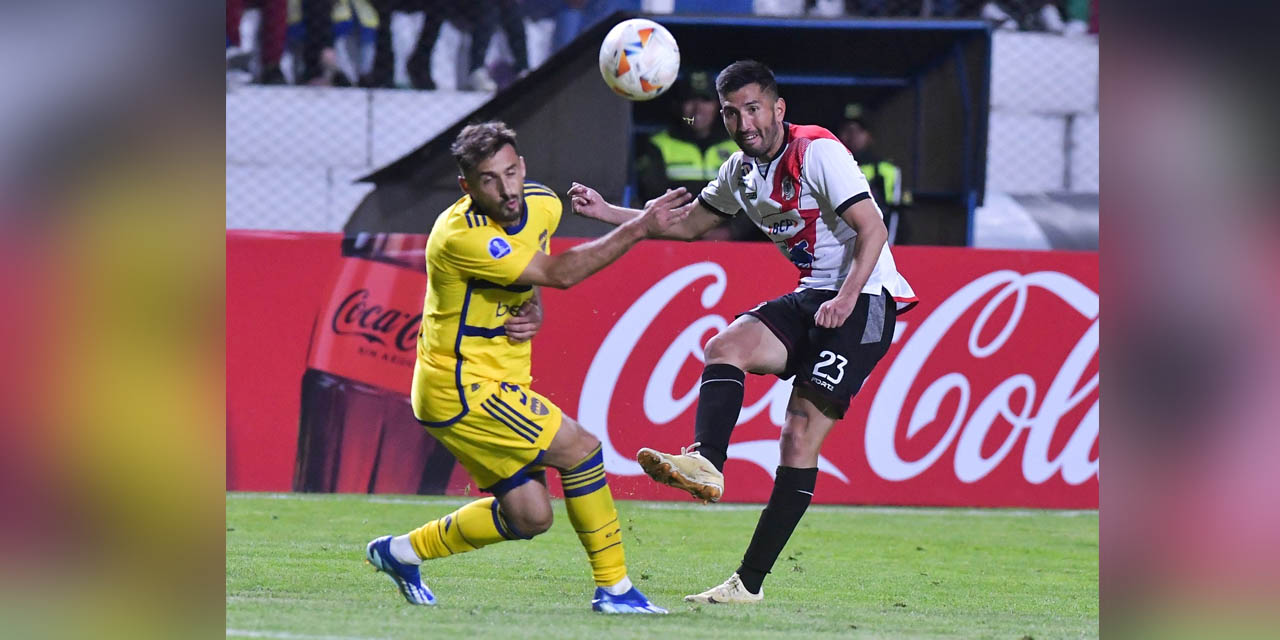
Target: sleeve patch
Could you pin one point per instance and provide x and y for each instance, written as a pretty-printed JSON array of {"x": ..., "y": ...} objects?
[{"x": 499, "y": 248}]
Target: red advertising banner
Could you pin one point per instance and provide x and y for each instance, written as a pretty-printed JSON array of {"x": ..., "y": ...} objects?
[{"x": 988, "y": 397}]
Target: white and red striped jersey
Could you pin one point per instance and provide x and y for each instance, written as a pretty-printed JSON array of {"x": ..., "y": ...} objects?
[{"x": 794, "y": 199}]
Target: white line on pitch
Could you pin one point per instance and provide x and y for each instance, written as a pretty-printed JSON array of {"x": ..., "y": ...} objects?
[
  {"x": 284, "y": 635},
  {"x": 688, "y": 506}
]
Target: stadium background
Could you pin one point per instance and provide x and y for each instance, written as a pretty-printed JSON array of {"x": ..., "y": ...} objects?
[
  {"x": 993, "y": 124},
  {"x": 337, "y": 164}
]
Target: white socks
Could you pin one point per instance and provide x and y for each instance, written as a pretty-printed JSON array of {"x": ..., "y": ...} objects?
[
  {"x": 623, "y": 586},
  {"x": 402, "y": 550}
]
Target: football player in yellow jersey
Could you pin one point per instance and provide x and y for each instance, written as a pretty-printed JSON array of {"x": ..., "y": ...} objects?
[{"x": 485, "y": 257}]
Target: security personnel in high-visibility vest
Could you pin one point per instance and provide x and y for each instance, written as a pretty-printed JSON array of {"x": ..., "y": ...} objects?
[
  {"x": 689, "y": 153},
  {"x": 885, "y": 176}
]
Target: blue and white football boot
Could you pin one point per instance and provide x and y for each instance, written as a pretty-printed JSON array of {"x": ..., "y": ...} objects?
[
  {"x": 406, "y": 576},
  {"x": 630, "y": 602}
]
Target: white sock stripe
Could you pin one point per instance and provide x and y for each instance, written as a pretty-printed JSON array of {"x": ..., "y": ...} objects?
[
  {"x": 724, "y": 380},
  {"x": 807, "y": 493}
]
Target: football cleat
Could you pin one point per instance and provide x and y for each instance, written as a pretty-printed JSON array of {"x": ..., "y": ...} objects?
[
  {"x": 406, "y": 576},
  {"x": 688, "y": 471},
  {"x": 730, "y": 591},
  {"x": 630, "y": 602}
]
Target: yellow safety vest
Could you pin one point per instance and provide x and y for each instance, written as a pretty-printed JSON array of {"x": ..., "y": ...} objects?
[
  {"x": 686, "y": 162},
  {"x": 891, "y": 175}
]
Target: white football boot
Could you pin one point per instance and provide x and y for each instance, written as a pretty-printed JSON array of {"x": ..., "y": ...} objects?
[
  {"x": 688, "y": 471},
  {"x": 730, "y": 591}
]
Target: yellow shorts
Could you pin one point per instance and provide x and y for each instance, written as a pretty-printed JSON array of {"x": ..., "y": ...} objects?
[{"x": 500, "y": 435}]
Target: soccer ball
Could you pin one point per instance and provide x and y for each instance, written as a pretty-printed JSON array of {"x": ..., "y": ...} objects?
[{"x": 639, "y": 59}]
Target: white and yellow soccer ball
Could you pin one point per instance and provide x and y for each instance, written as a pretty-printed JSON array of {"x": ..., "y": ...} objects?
[{"x": 639, "y": 59}]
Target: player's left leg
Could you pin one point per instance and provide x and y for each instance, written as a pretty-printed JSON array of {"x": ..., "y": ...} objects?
[
  {"x": 519, "y": 514},
  {"x": 831, "y": 369},
  {"x": 809, "y": 420},
  {"x": 589, "y": 502}
]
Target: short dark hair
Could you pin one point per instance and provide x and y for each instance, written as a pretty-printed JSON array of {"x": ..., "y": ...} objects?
[
  {"x": 478, "y": 142},
  {"x": 743, "y": 73}
]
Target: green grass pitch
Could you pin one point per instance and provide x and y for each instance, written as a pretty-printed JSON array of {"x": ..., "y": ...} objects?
[{"x": 295, "y": 570}]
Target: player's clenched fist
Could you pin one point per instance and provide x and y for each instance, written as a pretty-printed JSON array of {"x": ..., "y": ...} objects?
[{"x": 834, "y": 312}]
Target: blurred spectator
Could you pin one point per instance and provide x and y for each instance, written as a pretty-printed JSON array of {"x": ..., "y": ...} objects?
[
  {"x": 689, "y": 153},
  {"x": 509, "y": 14},
  {"x": 271, "y": 33},
  {"x": 1029, "y": 15},
  {"x": 482, "y": 18},
  {"x": 884, "y": 176},
  {"x": 355, "y": 27},
  {"x": 576, "y": 16},
  {"x": 418, "y": 65},
  {"x": 311, "y": 24}
]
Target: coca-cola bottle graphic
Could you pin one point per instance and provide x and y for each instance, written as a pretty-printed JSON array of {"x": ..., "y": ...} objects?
[{"x": 357, "y": 432}]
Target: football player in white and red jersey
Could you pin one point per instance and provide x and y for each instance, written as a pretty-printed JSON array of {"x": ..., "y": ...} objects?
[{"x": 804, "y": 190}]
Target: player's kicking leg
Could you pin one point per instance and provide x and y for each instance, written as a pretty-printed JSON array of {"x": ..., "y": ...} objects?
[
  {"x": 746, "y": 345},
  {"x": 807, "y": 426},
  {"x": 590, "y": 505}
]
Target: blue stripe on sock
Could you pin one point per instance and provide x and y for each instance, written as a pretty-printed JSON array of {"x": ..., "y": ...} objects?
[
  {"x": 497, "y": 521},
  {"x": 596, "y": 459},
  {"x": 582, "y": 491},
  {"x": 593, "y": 473}
]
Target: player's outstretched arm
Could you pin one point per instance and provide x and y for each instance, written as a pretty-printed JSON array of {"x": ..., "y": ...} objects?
[
  {"x": 587, "y": 202},
  {"x": 573, "y": 266}
]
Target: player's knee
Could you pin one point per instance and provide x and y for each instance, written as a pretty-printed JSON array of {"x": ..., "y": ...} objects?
[
  {"x": 587, "y": 441},
  {"x": 532, "y": 522},
  {"x": 724, "y": 350},
  {"x": 583, "y": 442},
  {"x": 796, "y": 436}
]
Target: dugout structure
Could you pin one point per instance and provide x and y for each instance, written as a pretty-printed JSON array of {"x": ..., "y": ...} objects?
[{"x": 924, "y": 86}]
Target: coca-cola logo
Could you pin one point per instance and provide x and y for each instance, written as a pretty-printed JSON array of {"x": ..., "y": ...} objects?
[
  {"x": 968, "y": 429},
  {"x": 1040, "y": 415},
  {"x": 662, "y": 402},
  {"x": 375, "y": 323}
]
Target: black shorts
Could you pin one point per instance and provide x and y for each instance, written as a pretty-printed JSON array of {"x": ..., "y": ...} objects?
[{"x": 832, "y": 363}]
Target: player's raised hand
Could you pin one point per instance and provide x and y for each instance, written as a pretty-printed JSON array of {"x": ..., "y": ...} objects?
[
  {"x": 666, "y": 211},
  {"x": 834, "y": 312},
  {"x": 587, "y": 202}
]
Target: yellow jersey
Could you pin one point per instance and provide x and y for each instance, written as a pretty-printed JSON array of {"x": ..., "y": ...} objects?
[{"x": 472, "y": 262}]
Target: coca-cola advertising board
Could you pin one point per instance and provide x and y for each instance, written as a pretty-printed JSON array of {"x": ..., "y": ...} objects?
[{"x": 988, "y": 396}]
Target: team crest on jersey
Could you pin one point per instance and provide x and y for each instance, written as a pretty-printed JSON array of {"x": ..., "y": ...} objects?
[
  {"x": 788, "y": 188},
  {"x": 499, "y": 248}
]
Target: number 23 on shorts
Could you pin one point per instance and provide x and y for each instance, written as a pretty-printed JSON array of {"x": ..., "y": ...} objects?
[{"x": 829, "y": 360}]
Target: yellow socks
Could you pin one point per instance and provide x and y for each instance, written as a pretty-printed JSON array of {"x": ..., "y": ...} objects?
[
  {"x": 587, "y": 499},
  {"x": 590, "y": 505},
  {"x": 472, "y": 526}
]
